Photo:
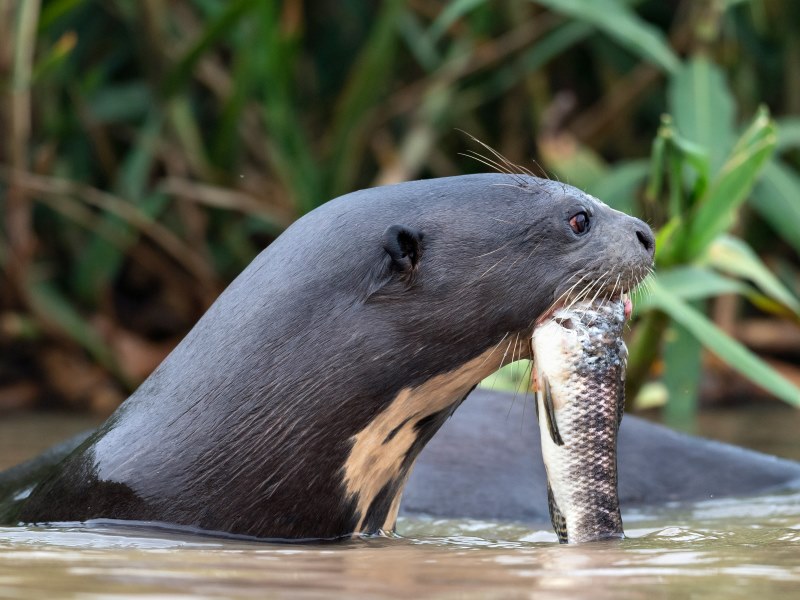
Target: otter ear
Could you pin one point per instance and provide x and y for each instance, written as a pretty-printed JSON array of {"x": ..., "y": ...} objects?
[{"x": 404, "y": 247}]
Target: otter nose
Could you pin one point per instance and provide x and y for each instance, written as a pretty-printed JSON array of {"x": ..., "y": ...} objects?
[{"x": 645, "y": 236}]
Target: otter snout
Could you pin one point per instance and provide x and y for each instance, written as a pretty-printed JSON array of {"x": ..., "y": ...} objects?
[
  {"x": 630, "y": 240},
  {"x": 644, "y": 235},
  {"x": 622, "y": 247}
]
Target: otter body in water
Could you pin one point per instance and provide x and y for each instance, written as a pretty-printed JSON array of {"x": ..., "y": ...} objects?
[{"x": 298, "y": 404}]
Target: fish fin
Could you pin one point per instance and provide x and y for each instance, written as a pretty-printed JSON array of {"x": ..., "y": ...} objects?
[
  {"x": 550, "y": 411},
  {"x": 556, "y": 517}
]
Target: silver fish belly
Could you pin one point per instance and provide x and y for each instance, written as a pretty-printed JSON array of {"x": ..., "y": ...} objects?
[{"x": 579, "y": 378}]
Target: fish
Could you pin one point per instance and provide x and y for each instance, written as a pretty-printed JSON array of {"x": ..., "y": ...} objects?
[{"x": 579, "y": 361}]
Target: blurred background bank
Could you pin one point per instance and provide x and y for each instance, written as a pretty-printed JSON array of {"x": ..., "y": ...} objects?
[{"x": 151, "y": 149}]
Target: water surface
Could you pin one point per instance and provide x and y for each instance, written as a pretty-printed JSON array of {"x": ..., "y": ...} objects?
[
  {"x": 723, "y": 548},
  {"x": 729, "y": 549}
]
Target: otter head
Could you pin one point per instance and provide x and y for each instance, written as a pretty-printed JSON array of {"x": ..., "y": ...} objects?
[
  {"x": 492, "y": 258},
  {"x": 457, "y": 284}
]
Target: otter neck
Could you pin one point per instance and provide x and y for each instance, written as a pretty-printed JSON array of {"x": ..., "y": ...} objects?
[{"x": 383, "y": 453}]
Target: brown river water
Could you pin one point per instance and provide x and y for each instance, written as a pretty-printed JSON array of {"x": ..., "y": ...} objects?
[{"x": 724, "y": 548}]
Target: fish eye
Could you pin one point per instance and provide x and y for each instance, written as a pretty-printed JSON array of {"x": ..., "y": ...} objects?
[{"x": 579, "y": 222}]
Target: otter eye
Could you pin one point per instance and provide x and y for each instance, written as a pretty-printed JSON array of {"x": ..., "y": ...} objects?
[{"x": 579, "y": 222}]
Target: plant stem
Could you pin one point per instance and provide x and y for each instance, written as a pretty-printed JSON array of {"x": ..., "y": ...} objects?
[
  {"x": 643, "y": 351},
  {"x": 19, "y": 226}
]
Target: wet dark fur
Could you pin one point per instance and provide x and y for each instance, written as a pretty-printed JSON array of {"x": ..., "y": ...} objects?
[{"x": 245, "y": 427}]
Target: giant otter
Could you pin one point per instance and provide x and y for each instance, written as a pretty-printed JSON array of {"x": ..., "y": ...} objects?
[{"x": 298, "y": 404}]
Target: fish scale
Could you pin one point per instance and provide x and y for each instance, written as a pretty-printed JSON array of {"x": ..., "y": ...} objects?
[{"x": 580, "y": 360}]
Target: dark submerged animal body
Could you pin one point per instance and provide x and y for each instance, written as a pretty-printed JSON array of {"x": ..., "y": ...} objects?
[
  {"x": 298, "y": 404},
  {"x": 486, "y": 463}
]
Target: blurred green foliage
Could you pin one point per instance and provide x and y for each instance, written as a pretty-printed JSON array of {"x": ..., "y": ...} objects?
[{"x": 152, "y": 148}]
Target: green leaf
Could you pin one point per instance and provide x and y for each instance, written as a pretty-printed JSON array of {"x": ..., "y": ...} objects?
[
  {"x": 289, "y": 148},
  {"x": 225, "y": 151},
  {"x": 716, "y": 212},
  {"x": 53, "y": 307},
  {"x": 514, "y": 377},
  {"x": 187, "y": 127},
  {"x": 669, "y": 241},
  {"x": 124, "y": 102},
  {"x": 505, "y": 77},
  {"x": 367, "y": 84},
  {"x": 690, "y": 283},
  {"x": 734, "y": 257},
  {"x": 577, "y": 163},
  {"x": 451, "y": 13},
  {"x": 215, "y": 29},
  {"x": 653, "y": 394},
  {"x": 682, "y": 372},
  {"x": 776, "y": 200},
  {"x": 421, "y": 46},
  {"x": 731, "y": 352},
  {"x": 657, "y": 154},
  {"x": 56, "y": 56},
  {"x": 788, "y": 134},
  {"x": 671, "y": 152},
  {"x": 695, "y": 155},
  {"x": 703, "y": 108},
  {"x": 678, "y": 201},
  {"x": 552, "y": 44},
  {"x": 623, "y": 25},
  {"x": 100, "y": 260},
  {"x": 24, "y": 44},
  {"x": 693, "y": 282},
  {"x": 55, "y": 10},
  {"x": 618, "y": 187}
]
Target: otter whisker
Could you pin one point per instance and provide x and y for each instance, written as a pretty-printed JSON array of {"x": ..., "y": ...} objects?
[
  {"x": 497, "y": 345},
  {"x": 514, "y": 186},
  {"x": 535, "y": 248},
  {"x": 569, "y": 290},
  {"x": 543, "y": 171},
  {"x": 492, "y": 251},
  {"x": 580, "y": 296},
  {"x": 614, "y": 289},
  {"x": 495, "y": 166},
  {"x": 596, "y": 284},
  {"x": 525, "y": 374},
  {"x": 506, "y": 161},
  {"x": 487, "y": 271},
  {"x": 599, "y": 287},
  {"x": 487, "y": 161},
  {"x": 509, "y": 267},
  {"x": 509, "y": 164},
  {"x": 513, "y": 372},
  {"x": 503, "y": 166},
  {"x": 502, "y": 362}
]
